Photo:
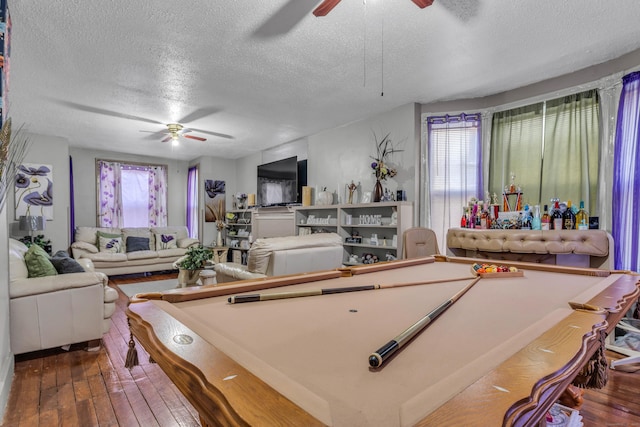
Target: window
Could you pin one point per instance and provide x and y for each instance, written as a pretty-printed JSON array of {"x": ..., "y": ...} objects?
[
  {"x": 551, "y": 147},
  {"x": 131, "y": 195},
  {"x": 455, "y": 169}
]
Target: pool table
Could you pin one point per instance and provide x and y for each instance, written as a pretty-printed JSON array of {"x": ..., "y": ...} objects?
[{"x": 500, "y": 355}]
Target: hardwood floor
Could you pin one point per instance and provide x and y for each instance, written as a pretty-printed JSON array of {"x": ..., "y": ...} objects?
[{"x": 79, "y": 388}]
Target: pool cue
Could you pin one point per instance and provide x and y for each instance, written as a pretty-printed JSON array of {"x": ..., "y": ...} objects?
[
  {"x": 237, "y": 299},
  {"x": 377, "y": 358}
]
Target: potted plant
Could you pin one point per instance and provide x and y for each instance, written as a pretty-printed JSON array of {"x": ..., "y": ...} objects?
[{"x": 191, "y": 264}]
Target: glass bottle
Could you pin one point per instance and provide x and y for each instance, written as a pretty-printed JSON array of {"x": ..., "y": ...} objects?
[
  {"x": 556, "y": 217},
  {"x": 568, "y": 218},
  {"x": 582, "y": 218},
  {"x": 526, "y": 219},
  {"x": 545, "y": 221},
  {"x": 463, "y": 220},
  {"x": 484, "y": 219},
  {"x": 536, "y": 222}
]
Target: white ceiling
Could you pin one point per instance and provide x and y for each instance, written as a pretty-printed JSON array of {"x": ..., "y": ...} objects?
[{"x": 269, "y": 72}]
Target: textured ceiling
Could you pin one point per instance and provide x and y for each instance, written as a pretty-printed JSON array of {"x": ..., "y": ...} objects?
[{"x": 109, "y": 74}]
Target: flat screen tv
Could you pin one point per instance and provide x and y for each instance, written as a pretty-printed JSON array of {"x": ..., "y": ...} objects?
[{"x": 279, "y": 182}]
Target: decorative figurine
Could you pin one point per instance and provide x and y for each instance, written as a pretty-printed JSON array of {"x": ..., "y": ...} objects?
[{"x": 352, "y": 188}]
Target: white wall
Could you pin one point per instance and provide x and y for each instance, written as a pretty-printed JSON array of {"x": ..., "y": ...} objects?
[
  {"x": 341, "y": 155},
  {"x": 53, "y": 151},
  {"x": 84, "y": 182},
  {"x": 6, "y": 357},
  {"x": 216, "y": 169}
]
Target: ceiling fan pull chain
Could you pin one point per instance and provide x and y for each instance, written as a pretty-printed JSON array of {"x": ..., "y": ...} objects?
[
  {"x": 382, "y": 53},
  {"x": 364, "y": 46}
]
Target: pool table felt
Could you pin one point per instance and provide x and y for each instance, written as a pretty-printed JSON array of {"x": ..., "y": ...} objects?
[{"x": 314, "y": 350}]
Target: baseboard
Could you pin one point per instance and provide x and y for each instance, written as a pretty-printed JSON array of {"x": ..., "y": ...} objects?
[{"x": 6, "y": 377}]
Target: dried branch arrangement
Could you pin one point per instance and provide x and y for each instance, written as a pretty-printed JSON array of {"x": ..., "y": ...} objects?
[{"x": 13, "y": 148}]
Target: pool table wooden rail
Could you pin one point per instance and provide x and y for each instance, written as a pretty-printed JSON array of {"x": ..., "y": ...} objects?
[
  {"x": 202, "y": 374},
  {"x": 517, "y": 392}
]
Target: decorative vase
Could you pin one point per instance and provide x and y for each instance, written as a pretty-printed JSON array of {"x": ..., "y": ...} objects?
[
  {"x": 188, "y": 277},
  {"x": 219, "y": 239},
  {"x": 377, "y": 191}
]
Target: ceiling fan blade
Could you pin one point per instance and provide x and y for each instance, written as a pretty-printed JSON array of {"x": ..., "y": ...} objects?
[
  {"x": 154, "y": 135},
  {"x": 195, "y": 137},
  {"x": 325, "y": 7},
  {"x": 168, "y": 138},
  {"x": 423, "y": 3},
  {"x": 219, "y": 135},
  {"x": 287, "y": 17},
  {"x": 104, "y": 112},
  {"x": 198, "y": 114}
]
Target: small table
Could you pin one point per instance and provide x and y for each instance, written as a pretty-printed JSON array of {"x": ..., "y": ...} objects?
[{"x": 219, "y": 253}]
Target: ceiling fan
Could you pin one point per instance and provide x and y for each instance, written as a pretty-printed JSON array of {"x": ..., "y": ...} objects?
[
  {"x": 176, "y": 130},
  {"x": 172, "y": 128},
  {"x": 326, "y": 6}
]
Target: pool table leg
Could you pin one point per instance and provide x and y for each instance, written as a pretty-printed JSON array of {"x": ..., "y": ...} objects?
[{"x": 572, "y": 397}]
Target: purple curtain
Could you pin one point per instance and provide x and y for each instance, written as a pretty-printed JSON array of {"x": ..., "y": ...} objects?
[
  {"x": 626, "y": 176},
  {"x": 192, "y": 202},
  {"x": 72, "y": 208}
]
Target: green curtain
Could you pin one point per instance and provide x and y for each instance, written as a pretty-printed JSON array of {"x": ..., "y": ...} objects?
[
  {"x": 516, "y": 146},
  {"x": 552, "y": 148},
  {"x": 570, "y": 167}
]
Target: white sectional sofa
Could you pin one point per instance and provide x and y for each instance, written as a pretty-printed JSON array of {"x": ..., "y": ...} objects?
[
  {"x": 56, "y": 310},
  {"x": 277, "y": 256},
  {"x": 158, "y": 255}
]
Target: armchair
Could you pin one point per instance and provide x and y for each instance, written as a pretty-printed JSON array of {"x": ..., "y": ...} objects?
[{"x": 56, "y": 310}]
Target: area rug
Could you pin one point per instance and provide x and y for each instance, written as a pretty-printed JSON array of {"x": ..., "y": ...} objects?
[{"x": 130, "y": 289}]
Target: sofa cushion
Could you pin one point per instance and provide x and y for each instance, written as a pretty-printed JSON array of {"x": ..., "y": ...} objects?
[
  {"x": 135, "y": 244},
  {"x": 64, "y": 264},
  {"x": 17, "y": 266},
  {"x": 85, "y": 245},
  {"x": 137, "y": 232},
  {"x": 141, "y": 255},
  {"x": 179, "y": 230},
  {"x": 38, "y": 263},
  {"x": 90, "y": 234},
  {"x": 170, "y": 253},
  {"x": 166, "y": 241},
  {"x": 110, "y": 244},
  {"x": 186, "y": 242},
  {"x": 101, "y": 233},
  {"x": 106, "y": 256}
]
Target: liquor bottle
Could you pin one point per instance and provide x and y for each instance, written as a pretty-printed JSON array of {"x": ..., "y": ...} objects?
[
  {"x": 526, "y": 219},
  {"x": 484, "y": 220},
  {"x": 463, "y": 220},
  {"x": 568, "y": 218},
  {"x": 536, "y": 222},
  {"x": 545, "y": 221},
  {"x": 582, "y": 218},
  {"x": 472, "y": 217},
  {"x": 556, "y": 217}
]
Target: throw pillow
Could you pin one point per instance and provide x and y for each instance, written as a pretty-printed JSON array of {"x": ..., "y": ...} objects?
[
  {"x": 38, "y": 263},
  {"x": 103, "y": 234},
  {"x": 110, "y": 244},
  {"x": 135, "y": 244},
  {"x": 166, "y": 241},
  {"x": 64, "y": 264}
]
